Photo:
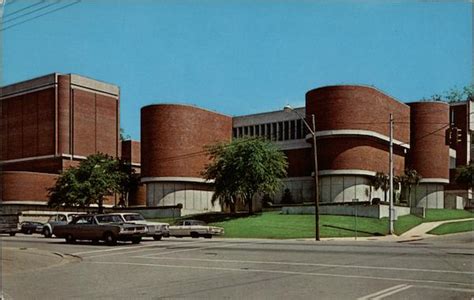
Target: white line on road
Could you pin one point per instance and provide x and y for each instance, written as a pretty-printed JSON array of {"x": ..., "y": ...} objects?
[
  {"x": 382, "y": 292},
  {"x": 214, "y": 246},
  {"x": 287, "y": 272},
  {"x": 302, "y": 264},
  {"x": 386, "y": 292},
  {"x": 392, "y": 292},
  {"x": 142, "y": 248}
]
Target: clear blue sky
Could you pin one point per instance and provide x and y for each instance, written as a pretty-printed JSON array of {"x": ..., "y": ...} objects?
[{"x": 240, "y": 57}]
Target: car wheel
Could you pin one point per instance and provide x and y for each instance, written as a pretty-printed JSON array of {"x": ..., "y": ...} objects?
[
  {"x": 157, "y": 237},
  {"x": 110, "y": 239},
  {"x": 47, "y": 232},
  {"x": 194, "y": 235},
  {"x": 208, "y": 236},
  {"x": 70, "y": 239},
  {"x": 136, "y": 240},
  {"x": 12, "y": 233},
  {"x": 28, "y": 231}
]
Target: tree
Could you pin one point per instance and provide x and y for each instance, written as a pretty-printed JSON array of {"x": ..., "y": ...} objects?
[
  {"x": 244, "y": 168},
  {"x": 381, "y": 181},
  {"x": 95, "y": 178},
  {"x": 455, "y": 95},
  {"x": 409, "y": 179},
  {"x": 128, "y": 181},
  {"x": 465, "y": 175},
  {"x": 123, "y": 135}
]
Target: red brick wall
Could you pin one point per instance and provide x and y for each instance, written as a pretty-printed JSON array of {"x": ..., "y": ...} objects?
[
  {"x": 429, "y": 154},
  {"x": 138, "y": 198},
  {"x": 64, "y": 114},
  {"x": 27, "y": 125},
  {"x": 300, "y": 162},
  {"x": 173, "y": 137},
  {"x": 357, "y": 153},
  {"x": 26, "y": 186},
  {"x": 95, "y": 123},
  {"x": 357, "y": 107},
  {"x": 131, "y": 151}
]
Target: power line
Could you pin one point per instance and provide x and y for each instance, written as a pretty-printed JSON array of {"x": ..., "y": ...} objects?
[
  {"x": 41, "y": 15},
  {"x": 31, "y": 12},
  {"x": 23, "y": 9}
]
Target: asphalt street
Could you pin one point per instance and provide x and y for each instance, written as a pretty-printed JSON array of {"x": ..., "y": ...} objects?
[{"x": 435, "y": 268}]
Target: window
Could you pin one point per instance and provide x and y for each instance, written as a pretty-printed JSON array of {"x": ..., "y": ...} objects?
[
  {"x": 234, "y": 132},
  {"x": 292, "y": 129},
  {"x": 280, "y": 131},
  {"x": 286, "y": 127},
  {"x": 299, "y": 129}
]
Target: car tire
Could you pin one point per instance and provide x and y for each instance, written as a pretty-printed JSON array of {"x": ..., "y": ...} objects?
[
  {"x": 208, "y": 236},
  {"x": 12, "y": 233},
  {"x": 70, "y": 239},
  {"x": 47, "y": 232},
  {"x": 194, "y": 235},
  {"x": 110, "y": 239},
  {"x": 136, "y": 240},
  {"x": 157, "y": 237},
  {"x": 28, "y": 231}
]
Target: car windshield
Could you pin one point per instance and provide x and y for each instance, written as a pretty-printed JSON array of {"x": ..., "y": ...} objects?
[
  {"x": 109, "y": 219},
  {"x": 136, "y": 217}
]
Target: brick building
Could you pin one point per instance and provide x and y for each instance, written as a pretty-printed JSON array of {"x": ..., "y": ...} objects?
[
  {"x": 48, "y": 124},
  {"x": 52, "y": 122}
]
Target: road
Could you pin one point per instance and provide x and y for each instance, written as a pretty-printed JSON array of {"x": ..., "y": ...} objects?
[{"x": 437, "y": 268}]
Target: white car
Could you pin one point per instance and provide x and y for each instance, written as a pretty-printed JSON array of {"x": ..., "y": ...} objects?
[
  {"x": 156, "y": 230},
  {"x": 60, "y": 218},
  {"x": 195, "y": 229}
]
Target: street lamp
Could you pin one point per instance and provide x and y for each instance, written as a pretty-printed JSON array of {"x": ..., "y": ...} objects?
[{"x": 312, "y": 130}]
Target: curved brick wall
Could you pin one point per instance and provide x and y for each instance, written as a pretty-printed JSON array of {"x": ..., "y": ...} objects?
[
  {"x": 349, "y": 107},
  {"x": 26, "y": 186},
  {"x": 357, "y": 107},
  {"x": 173, "y": 137},
  {"x": 352, "y": 153},
  {"x": 429, "y": 154}
]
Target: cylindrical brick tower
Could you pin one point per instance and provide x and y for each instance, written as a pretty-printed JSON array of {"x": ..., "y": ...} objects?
[
  {"x": 352, "y": 125},
  {"x": 173, "y": 138},
  {"x": 429, "y": 154}
]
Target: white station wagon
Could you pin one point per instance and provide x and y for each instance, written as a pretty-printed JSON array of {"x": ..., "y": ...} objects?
[
  {"x": 156, "y": 230},
  {"x": 195, "y": 229}
]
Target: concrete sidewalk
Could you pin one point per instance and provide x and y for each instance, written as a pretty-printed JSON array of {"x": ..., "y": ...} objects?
[{"x": 416, "y": 233}]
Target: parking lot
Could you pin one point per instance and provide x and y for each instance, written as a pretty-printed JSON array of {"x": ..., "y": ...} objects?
[{"x": 438, "y": 268}]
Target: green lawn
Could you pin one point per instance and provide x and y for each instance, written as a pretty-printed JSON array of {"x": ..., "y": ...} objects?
[
  {"x": 277, "y": 226},
  {"x": 453, "y": 227}
]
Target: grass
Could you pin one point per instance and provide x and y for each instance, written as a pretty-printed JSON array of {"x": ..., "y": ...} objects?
[
  {"x": 277, "y": 226},
  {"x": 453, "y": 227}
]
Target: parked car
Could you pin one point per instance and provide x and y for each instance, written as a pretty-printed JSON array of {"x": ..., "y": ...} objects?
[
  {"x": 156, "y": 230},
  {"x": 30, "y": 227},
  {"x": 107, "y": 228},
  {"x": 61, "y": 218},
  {"x": 9, "y": 223},
  {"x": 195, "y": 229}
]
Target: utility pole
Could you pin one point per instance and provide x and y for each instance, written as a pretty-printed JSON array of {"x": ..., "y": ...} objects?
[
  {"x": 390, "y": 210},
  {"x": 316, "y": 182}
]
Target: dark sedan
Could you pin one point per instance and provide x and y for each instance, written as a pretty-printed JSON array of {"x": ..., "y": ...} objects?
[
  {"x": 96, "y": 228},
  {"x": 30, "y": 227}
]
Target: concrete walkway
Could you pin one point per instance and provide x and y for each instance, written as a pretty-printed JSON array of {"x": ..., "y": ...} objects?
[
  {"x": 423, "y": 229},
  {"x": 416, "y": 233}
]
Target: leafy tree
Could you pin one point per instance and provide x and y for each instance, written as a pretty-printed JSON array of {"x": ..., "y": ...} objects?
[
  {"x": 455, "y": 95},
  {"x": 381, "y": 181},
  {"x": 244, "y": 168},
  {"x": 465, "y": 176},
  {"x": 95, "y": 178},
  {"x": 128, "y": 181},
  {"x": 409, "y": 179},
  {"x": 123, "y": 135}
]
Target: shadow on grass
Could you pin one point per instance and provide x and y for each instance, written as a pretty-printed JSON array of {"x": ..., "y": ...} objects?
[{"x": 352, "y": 230}]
